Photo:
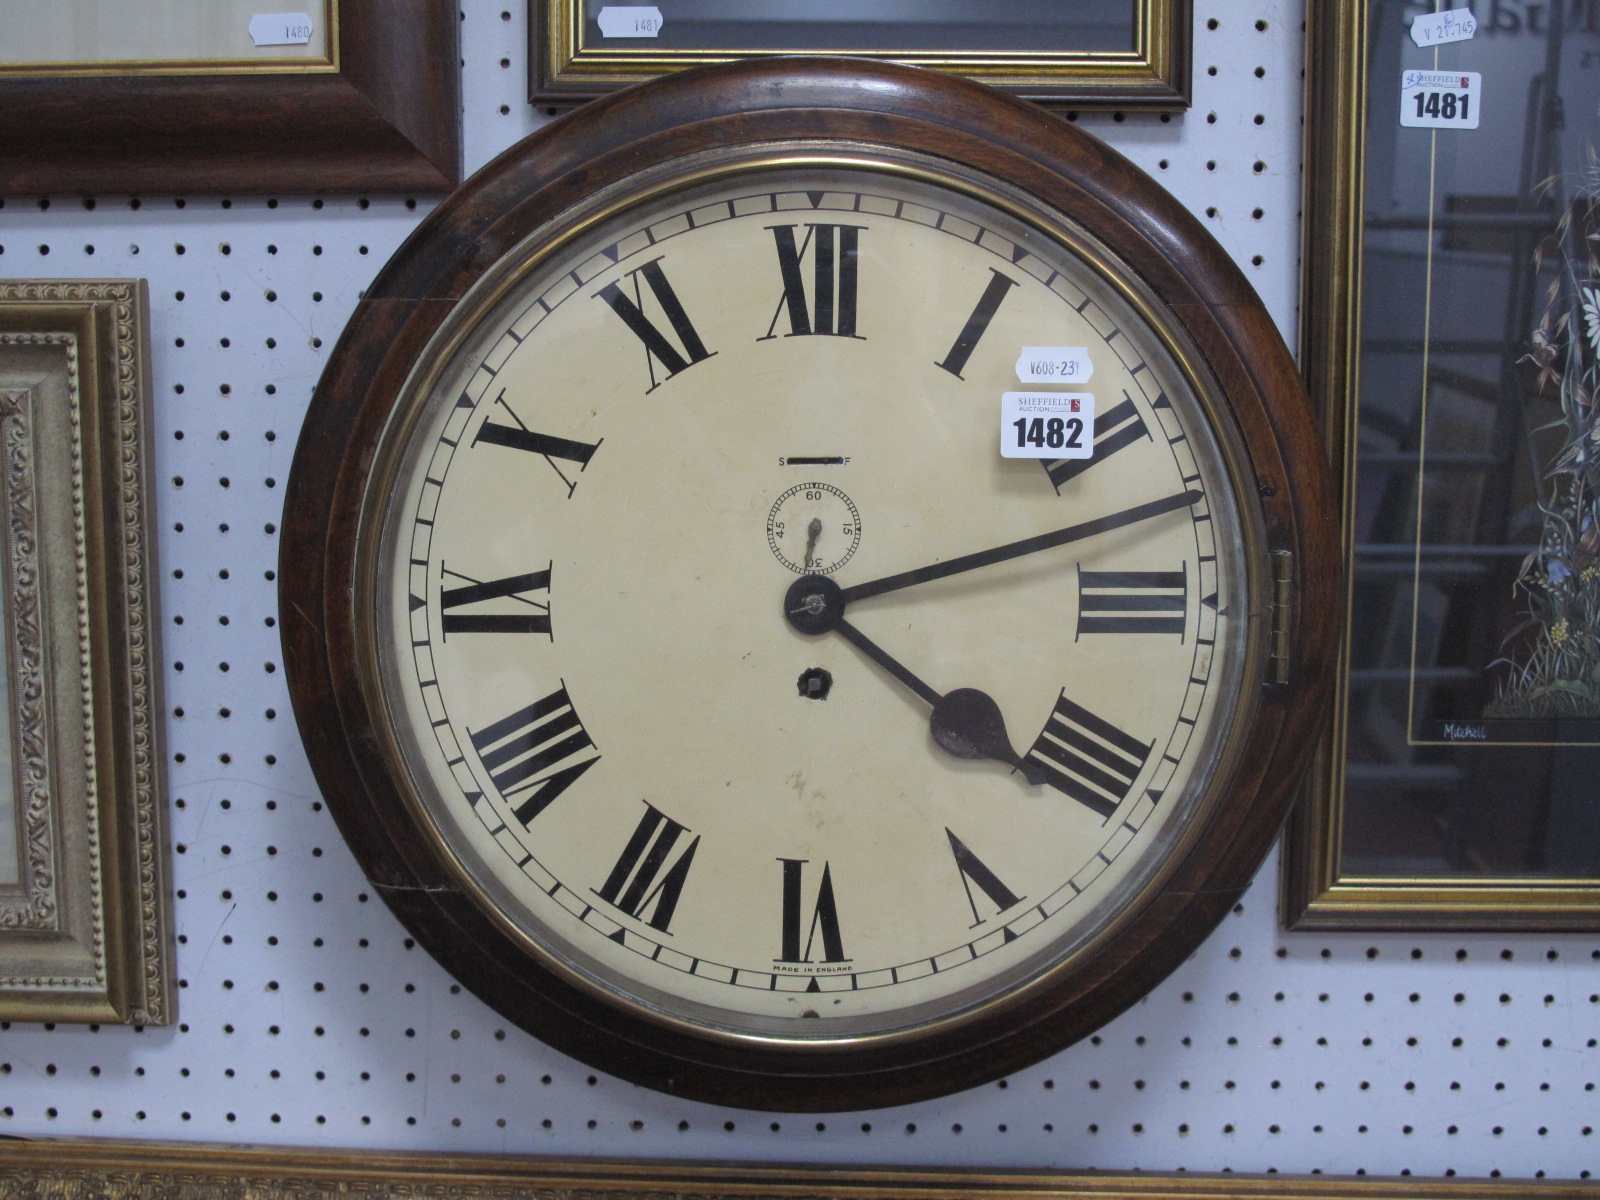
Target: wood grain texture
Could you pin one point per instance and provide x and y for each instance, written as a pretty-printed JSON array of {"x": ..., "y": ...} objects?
[
  {"x": 387, "y": 120},
  {"x": 818, "y": 101}
]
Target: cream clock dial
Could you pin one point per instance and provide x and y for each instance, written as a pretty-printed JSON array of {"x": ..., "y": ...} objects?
[
  {"x": 722, "y": 676},
  {"x": 598, "y": 652}
]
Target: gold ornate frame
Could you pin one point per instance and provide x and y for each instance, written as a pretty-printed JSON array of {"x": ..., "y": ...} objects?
[
  {"x": 1315, "y": 893},
  {"x": 85, "y": 931},
  {"x": 1154, "y": 74},
  {"x": 72, "y": 1170}
]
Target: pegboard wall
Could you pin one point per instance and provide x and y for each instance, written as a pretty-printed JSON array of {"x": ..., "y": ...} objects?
[{"x": 307, "y": 1017}]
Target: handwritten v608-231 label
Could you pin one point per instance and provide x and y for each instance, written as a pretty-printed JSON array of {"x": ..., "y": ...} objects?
[
  {"x": 1046, "y": 425},
  {"x": 1054, "y": 364}
]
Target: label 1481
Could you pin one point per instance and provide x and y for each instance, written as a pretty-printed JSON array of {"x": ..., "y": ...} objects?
[{"x": 1440, "y": 99}]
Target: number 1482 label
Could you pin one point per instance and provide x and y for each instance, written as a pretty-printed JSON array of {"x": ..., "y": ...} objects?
[
  {"x": 1440, "y": 99},
  {"x": 1046, "y": 425}
]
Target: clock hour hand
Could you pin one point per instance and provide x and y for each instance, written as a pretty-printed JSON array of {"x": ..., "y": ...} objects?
[
  {"x": 1032, "y": 545},
  {"x": 965, "y": 723}
]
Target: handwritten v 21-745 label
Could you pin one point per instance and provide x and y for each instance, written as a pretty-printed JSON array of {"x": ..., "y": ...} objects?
[{"x": 1436, "y": 29}]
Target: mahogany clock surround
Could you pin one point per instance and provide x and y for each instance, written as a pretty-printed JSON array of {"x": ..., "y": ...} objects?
[{"x": 535, "y": 609}]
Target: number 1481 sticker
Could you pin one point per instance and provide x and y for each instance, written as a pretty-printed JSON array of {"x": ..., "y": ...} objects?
[{"x": 1440, "y": 99}]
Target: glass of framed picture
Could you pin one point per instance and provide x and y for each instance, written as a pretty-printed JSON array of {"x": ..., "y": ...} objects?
[
  {"x": 1451, "y": 331},
  {"x": 1108, "y": 54}
]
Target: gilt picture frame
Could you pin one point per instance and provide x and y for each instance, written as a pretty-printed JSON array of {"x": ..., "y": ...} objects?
[
  {"x": 97, "y": 1170},
  {"x": 1443, "y": 336},
  {"x": 85, "y": 914},
  {"x": 1131, "y": 54}
]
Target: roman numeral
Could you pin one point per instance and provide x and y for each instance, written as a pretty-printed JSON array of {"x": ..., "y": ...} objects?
[
  {"x": 988, "y": 304},
  {"x": 831, "y": 308},
  {"x": 643, "y": 879},
  {"x": 1132, "y": 601},
  {"x": 973, "y": 872},
  {"x": 1087, "y": 758},
  {"x": 518, "y": 749},
  {"x": 658, "y": 347},
  {"x": 548, "y": 446},
  {"x": 535, "y": 617},
  {"x": 1117, "y": 427},
  {"x": 824, "y": 916}
]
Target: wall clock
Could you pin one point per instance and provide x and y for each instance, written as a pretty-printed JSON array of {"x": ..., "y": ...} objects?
[{"x": 808, "y": 584}]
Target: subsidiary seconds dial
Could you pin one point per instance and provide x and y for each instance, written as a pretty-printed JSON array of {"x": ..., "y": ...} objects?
[{"x": 814, "y": 528}]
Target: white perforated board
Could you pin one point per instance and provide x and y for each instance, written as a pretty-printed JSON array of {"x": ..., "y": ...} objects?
[{"x": 307, "y": 1017}]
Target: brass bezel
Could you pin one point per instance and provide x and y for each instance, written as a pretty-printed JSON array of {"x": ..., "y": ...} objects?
[{"x": 483, "y": 298}]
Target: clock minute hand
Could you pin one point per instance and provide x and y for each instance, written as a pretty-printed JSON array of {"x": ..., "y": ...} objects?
[{"x": 1031, "y": 545}]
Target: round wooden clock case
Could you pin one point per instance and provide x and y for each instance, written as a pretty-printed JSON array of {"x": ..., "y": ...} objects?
[{"x": 809, "y": 584}]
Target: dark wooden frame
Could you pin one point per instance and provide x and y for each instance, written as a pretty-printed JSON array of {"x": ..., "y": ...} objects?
[
  {"x": 111, "y": 1170},
  {"x": 1315, "y": 892},
  {"x": 387, "y": 118},
  {"x": 822, "y": 100},
  {"x": 1156, "y": 75}
]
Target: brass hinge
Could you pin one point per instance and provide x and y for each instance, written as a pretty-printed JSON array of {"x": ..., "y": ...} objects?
[{"x": 1282, "y": 600}]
